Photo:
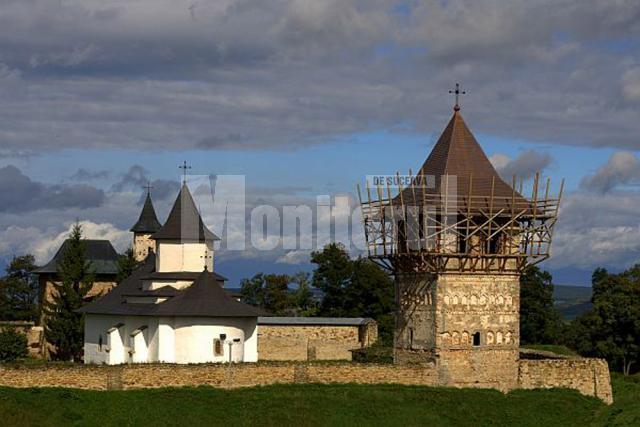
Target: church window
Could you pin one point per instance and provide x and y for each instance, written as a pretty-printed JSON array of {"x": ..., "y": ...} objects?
[
  {"x": 474, "y": 300},
  {"x": 499, "y": 338},
  {"x": 217, "y": 347},
  {"x": 500, "y": 300},
  {"x": 476, "y": 339}
]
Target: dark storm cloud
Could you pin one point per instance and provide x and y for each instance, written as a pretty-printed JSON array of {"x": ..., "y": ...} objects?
[
  {"x": 137, "y": 177},
  {"x": 241, "y": 74},
  {"x": 83, "y": 174},
  {"x": 18, "y": 193}
]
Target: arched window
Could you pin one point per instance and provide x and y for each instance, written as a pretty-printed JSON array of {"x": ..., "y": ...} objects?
[
  {"x": 499, "y": 338},
  {"x": 476, "y": 339},
  {"x": 489, "y": 337}
]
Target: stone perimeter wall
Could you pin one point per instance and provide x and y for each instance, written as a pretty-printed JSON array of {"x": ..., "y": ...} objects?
[
  {"x": 589, "y": 376},
  {"x": 313, "y": 342}
]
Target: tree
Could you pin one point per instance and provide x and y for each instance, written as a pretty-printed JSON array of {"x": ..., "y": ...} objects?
[
  {"x": 371, "y": 293},
  {"x": 354, "y": 288},
  {"x": 19, "y": 290},
  {"x": 13, "y": 345},
  {"x": 334, "y": 271},
  {"x": 611, "y": 329},
  {"x": 64, "y": 326},
  {"x": 127, "y": 263},
  {"x": 304, "y": 304},
  {"x": 268, "y": 291},
  {"x": 540, "y": 322},
  {"x": 276, "y": 294},
  {"x": 251, "y": 290}
]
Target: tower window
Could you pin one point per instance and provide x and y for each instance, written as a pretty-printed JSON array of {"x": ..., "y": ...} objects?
[{"x": 476, "y": 339}]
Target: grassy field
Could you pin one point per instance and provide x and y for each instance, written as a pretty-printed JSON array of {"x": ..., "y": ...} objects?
[{"x": 310, "y": 405}]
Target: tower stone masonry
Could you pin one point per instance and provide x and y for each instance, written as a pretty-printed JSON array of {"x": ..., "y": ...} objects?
[{"x": 146, "y": 225}]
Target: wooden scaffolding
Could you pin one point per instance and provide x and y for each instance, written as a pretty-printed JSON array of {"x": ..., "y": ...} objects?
[{"x": 426, "y": 228}]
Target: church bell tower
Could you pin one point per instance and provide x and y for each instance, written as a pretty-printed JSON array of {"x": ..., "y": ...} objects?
[
  {"x": 143, "y": 229},
  {"x": 456, "y": 238}
]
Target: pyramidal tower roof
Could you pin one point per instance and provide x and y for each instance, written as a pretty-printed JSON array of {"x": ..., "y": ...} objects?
[
  {"x": 458, "y": 154},
  {"x": 148, "y": 221},
  {"x": 184, "y": 221}
]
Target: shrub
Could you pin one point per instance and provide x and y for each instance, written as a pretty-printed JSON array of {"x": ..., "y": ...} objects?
[
  {"x": 13, "y": 345},
  {"x": 373, "y": 354}
]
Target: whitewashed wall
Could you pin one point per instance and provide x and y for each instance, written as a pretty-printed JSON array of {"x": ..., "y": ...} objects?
[
  {"x": 179, "y": 256},
  {"x": 170, "y": 340},
  {"x": 96, "y": 325},
  {"x": 194, "y": 339}
]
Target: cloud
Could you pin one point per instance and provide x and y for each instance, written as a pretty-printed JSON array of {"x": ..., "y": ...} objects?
[
  {"x": 622, "y": 168},
  {"x": 43, "y": 245},
  {"x": 631, "y": 84},
  {"x": 18, "y": 193},
  {"x": 597, "y": 230},
  {"x": 83, "y": 174},
  {"x": 137, "y": 177},
  {"x": 296, "y": 257},
  {"x": 525, "y": 166},
  {"x": 240, "y": 74}
]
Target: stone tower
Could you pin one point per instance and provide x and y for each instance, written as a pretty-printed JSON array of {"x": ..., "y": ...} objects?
[
  {"x": 456, "y": 237},
  {"x": 143, "y": 229}
]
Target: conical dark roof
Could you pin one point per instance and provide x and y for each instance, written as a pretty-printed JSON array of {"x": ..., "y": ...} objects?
[
  {"x": 148, "y": 221},
  {"x": 457, "y": 153},
  {"x": 206, "y": 298},
  {"x": 184, "y": 221}
]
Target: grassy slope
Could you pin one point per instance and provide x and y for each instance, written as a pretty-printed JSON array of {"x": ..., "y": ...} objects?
[{"x": 316, "y": 405}]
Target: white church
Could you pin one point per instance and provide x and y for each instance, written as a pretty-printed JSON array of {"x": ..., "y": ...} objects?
[{"x": 173, "y": 308}]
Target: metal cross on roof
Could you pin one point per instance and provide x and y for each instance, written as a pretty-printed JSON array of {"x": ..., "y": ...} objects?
[
  {"x": 148, "y": 187},
  {"x": 457, "y": 93},
  {"x": 206, "y": 256},
  {"x": 184, "y": 168}
]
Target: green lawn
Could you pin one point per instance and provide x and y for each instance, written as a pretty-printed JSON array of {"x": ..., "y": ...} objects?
[{"x": 302, "y": 405}]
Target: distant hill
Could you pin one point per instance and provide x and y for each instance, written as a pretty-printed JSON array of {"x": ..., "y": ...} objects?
[{"x": 571, "y": 301}]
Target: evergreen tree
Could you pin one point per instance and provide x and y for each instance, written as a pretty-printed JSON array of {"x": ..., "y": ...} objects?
[
  {"x": 127, "y": 263},
  {"x": 540, "y": 322},
  {"x": 277, "y": 299},
  {"x": 19, "y": 290},
  {"x": 64, "y": 327},
  {"x": 333, "y": 273}
]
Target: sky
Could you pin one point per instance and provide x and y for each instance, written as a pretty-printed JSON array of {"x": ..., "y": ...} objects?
[{"x": 306, "y": 98}]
